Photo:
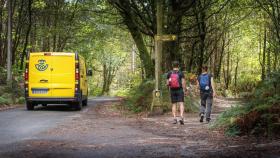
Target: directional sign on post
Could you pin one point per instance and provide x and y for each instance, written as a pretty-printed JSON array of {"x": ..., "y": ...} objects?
[{"x": 165, "y": 37}]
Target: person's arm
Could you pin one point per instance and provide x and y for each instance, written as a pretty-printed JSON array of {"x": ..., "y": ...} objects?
[
  {"x": 197, "y": 83},
  {"x": 213, "y": 87},
  {"x": 184, "y": 84},
  {"x": 167, "y": 79}
]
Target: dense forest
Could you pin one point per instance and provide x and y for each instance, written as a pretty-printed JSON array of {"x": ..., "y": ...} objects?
[{"x": 238, "y": 39}]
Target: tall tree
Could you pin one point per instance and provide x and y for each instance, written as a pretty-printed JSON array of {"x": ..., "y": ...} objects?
[{"x": 9, "y": 43}]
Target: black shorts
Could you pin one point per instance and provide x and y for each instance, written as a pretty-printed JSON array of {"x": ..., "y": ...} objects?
[{"x": 177, "y": 95}]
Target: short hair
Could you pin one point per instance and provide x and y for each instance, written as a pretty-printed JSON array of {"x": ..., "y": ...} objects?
[
  {"x": 175, "y": 64},
  {"x": 204, "y": 67}
]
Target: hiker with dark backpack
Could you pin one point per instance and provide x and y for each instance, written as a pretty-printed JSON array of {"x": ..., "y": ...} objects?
[
  {"x": 177, "y": 86},
  {"x": 207, "y": 93}
]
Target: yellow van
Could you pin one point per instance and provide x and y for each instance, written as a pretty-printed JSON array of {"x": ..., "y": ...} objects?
[{"x": 56, "y": 78}]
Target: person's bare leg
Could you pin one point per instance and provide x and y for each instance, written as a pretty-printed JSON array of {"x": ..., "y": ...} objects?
[
  {"x": 174, "y": 109},
  {"x": 182, "y": 109}
]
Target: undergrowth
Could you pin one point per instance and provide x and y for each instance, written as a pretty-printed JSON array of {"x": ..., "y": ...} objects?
[
  {"x": 139, "y": 98},
  {"x": 14, "y": 94},
  {"x": 260, "y": 116}
]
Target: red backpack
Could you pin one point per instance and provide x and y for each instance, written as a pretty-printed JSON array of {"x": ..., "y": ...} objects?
[{"x": 174, "y": 80}]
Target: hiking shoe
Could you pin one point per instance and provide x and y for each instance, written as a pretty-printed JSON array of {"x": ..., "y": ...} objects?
[
  {"x": 201, "y": 118},
  {"x": 175, "y": 121},
  {"x": 182, "y": 121},
  {"x": 208, "y": 120}
]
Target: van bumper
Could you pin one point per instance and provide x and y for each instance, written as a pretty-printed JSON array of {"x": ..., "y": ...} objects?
[{"x": 52, "y": 100}]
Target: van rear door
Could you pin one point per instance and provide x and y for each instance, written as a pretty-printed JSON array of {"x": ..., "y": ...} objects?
[
  {"x": 63, "y": 75},
  {"x": 40, "y": 75}
]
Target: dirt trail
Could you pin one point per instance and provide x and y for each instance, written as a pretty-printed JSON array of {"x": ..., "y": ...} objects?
[{"x": 104, "y": 131}]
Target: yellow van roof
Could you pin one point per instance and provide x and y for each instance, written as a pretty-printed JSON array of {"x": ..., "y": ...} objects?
[{"x": 55, "y": 53}]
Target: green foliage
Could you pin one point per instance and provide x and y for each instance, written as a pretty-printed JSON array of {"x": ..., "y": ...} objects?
[
  {"x": 192, "y": 103},
  {"x": 260, "y": 116},
  {"x": 7, "y": 98},
  {"x": 232, "y": 131},
  {"x": 140, "y": 97},
  {"x": 2, "y": 76},
  {"x": 20, "y": 100},
  {"x": 95, "y": 91},
  {"x": 228, "y": 117},
  {"x": 3, "y": 101}
]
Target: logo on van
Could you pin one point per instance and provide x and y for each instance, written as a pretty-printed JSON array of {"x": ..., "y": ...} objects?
[{"x": 41, "y": 66}]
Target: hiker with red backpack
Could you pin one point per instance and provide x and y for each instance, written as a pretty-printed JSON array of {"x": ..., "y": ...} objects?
[
  {"x": 207, "y": 93},
  {"x": 177, "y": 86}
]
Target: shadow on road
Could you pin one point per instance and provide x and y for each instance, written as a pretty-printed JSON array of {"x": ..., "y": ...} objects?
[{"x": 55, "y": 107}]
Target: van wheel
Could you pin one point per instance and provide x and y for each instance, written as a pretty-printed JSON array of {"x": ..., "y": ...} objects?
[
  {"x": 85, "y": 102},
  {"x": 29, "y": 106},
  {"x": 78, "y": 105}
]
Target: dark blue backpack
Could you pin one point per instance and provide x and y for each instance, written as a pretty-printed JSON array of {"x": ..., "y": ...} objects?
[{"x": 205, "y": 82}]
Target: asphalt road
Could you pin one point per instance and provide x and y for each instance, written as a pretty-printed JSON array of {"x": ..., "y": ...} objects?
[{"x": 19, "y": 124}]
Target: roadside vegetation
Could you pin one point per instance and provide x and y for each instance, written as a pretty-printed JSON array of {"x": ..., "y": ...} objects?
[
  {"x": 259, "y": 116},
  {"x": 11, "y": 95}
]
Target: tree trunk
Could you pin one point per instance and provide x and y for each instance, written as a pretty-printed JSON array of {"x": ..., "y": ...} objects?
[
  {"x": 1, "y": 33},
  {"x": 9, "y": 44},
  {"x": 268, "y": 63},
  {"x": 143, "y": 51},
  {"x": 264, "y": 55},
  {"x": 23, "y": 54},
  {"x": 218, "y": 67},
  {"x": 191, "y": 60},
  {"x": 236, "y": 71},
  {"x": 105, "y": 78},
  {"x": 200, "y": 20}
]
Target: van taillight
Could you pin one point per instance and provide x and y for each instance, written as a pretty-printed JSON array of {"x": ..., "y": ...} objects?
[
  {"x": 77, "y": 73},
  {"x": 26, "y": 77},
  {"x": 77, "y": 76}
]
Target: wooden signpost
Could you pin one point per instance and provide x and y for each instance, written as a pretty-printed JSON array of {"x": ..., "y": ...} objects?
[{"x": 156, "y": 106}]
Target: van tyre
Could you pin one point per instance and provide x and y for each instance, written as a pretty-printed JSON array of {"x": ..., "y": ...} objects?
[
  {"x": 29, "y": 106},
  {"x": 85, "y": 102},
  {"x": 78, "y": 105}
]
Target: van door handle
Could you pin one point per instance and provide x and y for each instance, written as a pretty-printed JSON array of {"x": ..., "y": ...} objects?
[{"x": 43, "y": 80}]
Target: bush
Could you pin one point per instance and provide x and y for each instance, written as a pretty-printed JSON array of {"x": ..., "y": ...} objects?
[
  {"x": 140, "y": 97},
  {"x": 20, "y": 100},
  {"x": 2, "y": 76},
  {"x": 3, "y": 101},
  {"x": 8, "y": 97},
  {"x": 260, "y": 116}
]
